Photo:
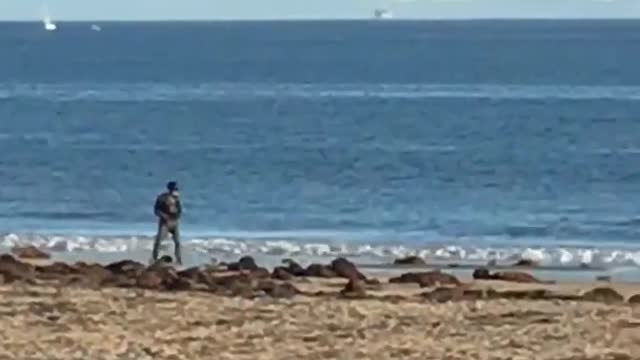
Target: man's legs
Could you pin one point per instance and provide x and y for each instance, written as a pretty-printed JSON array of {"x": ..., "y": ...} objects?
[
  {"x": 175, "y": 231},
  {"x": 160, "y": 235}
]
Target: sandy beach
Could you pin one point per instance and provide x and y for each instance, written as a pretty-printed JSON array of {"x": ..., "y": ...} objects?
[{"x": 44, "y": 319}]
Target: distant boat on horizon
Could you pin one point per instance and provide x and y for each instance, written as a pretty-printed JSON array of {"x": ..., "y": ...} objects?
[
  {"x": 49, "y": 25},
  {"x": 382, "y": 14}
]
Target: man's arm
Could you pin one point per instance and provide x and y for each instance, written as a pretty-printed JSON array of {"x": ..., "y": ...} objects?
[
  {"x": 157, "y": 209},
  {"x": 178, "y": 207}
]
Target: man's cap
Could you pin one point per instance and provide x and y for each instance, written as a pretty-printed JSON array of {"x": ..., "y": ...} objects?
[{"x": 172, "y": 185}]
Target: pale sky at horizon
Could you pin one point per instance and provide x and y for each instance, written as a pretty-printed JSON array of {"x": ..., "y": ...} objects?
[{"x": 305, "y": 9}]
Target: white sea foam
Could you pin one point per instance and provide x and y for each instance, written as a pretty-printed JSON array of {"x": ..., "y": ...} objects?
[
  {"x": 118, "y": 92},
  {"x": 221, "y": 248}
]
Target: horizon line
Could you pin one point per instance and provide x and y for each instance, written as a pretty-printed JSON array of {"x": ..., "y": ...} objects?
[{"x": 399, "y": 19}]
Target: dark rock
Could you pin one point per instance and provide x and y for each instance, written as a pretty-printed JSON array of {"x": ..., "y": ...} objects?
[
  {"x": 635, "y": 299},
  {"x": 525, "y": 263},
  {"x": 198, "y": 276},
  {"x": 180, "y": 284},
  {"x": 241, "y": 285},
  {"x": 354, "y": 289},
  {"x": 245, "y": 263},
  {"x": 230, "y": 281},
  {"x": 321, "y": 271},
  {"x": 426, "y": 279},
  {"x": 603, "y": 294},
  {"x": 58, "y": 268},
  {"x": 119, "y": 280},
  {"x": 481, "y": 274},
  {"x": 276, "y": 290},
  {"x": 294, "y": 268},
  {"x": 261, "y": 273},
  {"x": 515, "y": 276},
  {"x": 281, "y": 273},
  {"x": 161, "y": 276},
  {"x": 151, "y": 280},
  {"x": 445, "y": 294},
  {"x": 410, "y": 260},
  {"x": 529, "y": 294},
  {"x": 193, "y": 273},
  {"x": 603, "y": 278},
  {"x": 126, "y": 267},
  {"x": 346, "y": 269},
  {"x": 510, "y": 276},
  {"x": 166, "y": 259},
  {"x": 94, "y": 273},
  {"x": 30, "y": 252},
  {"x": 14, "y": 270}
]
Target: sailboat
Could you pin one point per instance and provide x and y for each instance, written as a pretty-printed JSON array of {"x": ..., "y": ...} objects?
[
  {"x": 382, "y": 14},
  {"x": 48, "y": 24}
]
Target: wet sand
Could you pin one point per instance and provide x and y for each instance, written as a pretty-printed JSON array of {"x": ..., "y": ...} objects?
[{"x": 45, "y": 322}]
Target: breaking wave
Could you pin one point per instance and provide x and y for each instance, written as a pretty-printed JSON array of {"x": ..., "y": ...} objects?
[
  {"x": 229, "y": 248},
  {"x": 138, "y": 92}
]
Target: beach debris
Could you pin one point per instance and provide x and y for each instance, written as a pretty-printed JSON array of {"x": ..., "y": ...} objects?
[
  {"x": 510, "y": 276},
  {"x": 461, "y": 293},
  {"x": 255, "y": 281},
  {"x": 602, "y": 294},
  {"x": 321, "y": 271},
  {"x": 635, "y": 299},
  {"x": 426, "y": 279},
  {"x": 410, "y": 260},
  {"x": 30, "y": 252},
  {"x": 346, "y": 269}
]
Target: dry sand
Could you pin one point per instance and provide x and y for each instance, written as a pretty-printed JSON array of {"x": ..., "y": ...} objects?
[{"x": 73, "y": 323}]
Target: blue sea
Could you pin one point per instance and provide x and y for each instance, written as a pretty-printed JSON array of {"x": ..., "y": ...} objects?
[{"x": 453, "y": 140}]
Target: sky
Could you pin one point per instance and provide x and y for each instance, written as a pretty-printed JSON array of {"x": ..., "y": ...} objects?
[{"x": 62, "y": 10}]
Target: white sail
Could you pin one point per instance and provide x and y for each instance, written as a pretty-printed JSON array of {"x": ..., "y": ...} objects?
[{"x": 49, "y": 25}]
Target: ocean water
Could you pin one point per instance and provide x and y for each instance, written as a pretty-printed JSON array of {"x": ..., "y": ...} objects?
[{"x": 458, "y": 141}]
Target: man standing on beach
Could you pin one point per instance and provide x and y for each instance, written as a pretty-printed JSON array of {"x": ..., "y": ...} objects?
[{"x": 168, "y": 211}]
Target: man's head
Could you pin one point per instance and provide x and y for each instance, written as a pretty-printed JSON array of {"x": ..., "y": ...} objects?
[{"x": 172, "y": 186}]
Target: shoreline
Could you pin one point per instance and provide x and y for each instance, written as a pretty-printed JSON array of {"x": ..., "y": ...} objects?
[
  {"x": 461, "y": 269},
  {"x": 242, "y": 311},
  {"x": 323, "y": 320}
]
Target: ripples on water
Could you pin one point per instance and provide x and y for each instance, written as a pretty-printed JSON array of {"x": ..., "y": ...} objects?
[{"x": 453, "y": 140}]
